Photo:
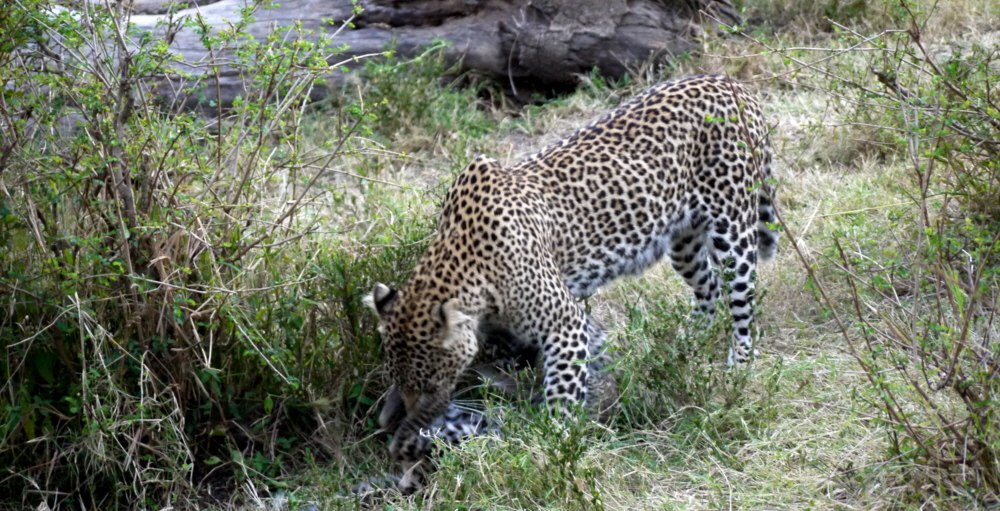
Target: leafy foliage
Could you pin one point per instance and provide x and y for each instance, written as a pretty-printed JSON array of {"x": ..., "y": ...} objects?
[
  {"x": 171, "y": 318},
  {"x": 922, "y": 309}
]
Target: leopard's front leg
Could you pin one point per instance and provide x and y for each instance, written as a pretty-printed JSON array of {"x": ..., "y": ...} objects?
[
  {"x": 538, "y": 307},
  {"x": 562, "y": 329},
  {"x": 566, "y": 356}
]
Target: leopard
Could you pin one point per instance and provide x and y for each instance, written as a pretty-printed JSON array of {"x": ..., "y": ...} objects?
[{"x": 683, "y": 170}]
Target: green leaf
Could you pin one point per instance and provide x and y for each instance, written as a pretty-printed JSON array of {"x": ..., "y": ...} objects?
[{"x": 45, "y": 363}]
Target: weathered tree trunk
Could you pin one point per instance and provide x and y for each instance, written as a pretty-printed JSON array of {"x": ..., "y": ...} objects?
[{"x": 526, "y": 44}]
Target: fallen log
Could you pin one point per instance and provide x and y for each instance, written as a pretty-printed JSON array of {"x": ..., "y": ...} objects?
[{"x": 528, "y": 45}]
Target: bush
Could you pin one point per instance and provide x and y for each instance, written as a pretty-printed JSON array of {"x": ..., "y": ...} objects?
[
  {"x": 680, "y": 358},
  {"x": 923, "y": 325},
  {"x": 172, "y": 320}
]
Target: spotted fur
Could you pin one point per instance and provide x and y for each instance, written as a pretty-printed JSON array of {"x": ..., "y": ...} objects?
[{"x": 680, "y": 170}]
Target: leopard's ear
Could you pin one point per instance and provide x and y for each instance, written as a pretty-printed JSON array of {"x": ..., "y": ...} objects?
[
  {"x": 453, "y": 319},
  {"x": 381, "y": 298},
  {"x": 452, "y": 316}
]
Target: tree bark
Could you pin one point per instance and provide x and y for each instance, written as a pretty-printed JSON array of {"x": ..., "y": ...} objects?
[{"x": 529, "y": 45}]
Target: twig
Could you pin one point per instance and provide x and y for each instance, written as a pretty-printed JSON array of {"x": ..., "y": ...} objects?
[
  {"x": 872, "y": 208},
  {"x": 358, "y": 176}
]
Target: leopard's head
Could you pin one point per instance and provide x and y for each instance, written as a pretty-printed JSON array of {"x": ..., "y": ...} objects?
[{"x": 428, "y": 343}]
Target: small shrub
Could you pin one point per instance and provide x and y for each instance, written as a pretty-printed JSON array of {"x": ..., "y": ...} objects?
[
  {"x": 681, "y": 355},
  {"x": 674, "y": 371}
]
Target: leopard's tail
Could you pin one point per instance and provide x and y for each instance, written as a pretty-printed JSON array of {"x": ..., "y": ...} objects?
[{"x": 767, "y": 237}]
